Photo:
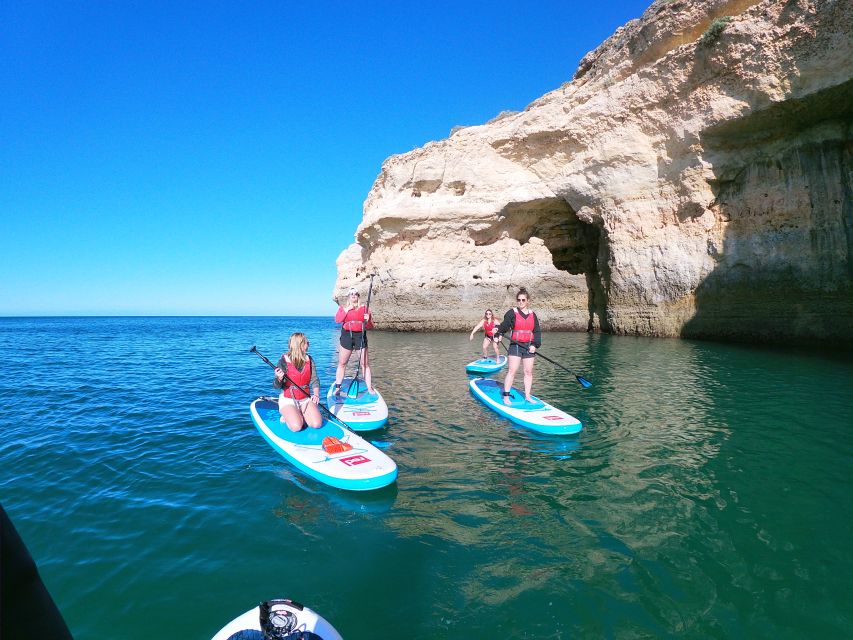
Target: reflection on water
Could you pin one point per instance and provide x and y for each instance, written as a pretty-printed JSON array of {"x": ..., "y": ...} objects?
[
  {"x": 317, "y": 502},
  {"x": 707, "y": 495},
  {"x": 636, "y": 508}
]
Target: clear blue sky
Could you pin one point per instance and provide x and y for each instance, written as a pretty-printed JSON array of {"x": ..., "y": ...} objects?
[{"x": 195, "y": 158}]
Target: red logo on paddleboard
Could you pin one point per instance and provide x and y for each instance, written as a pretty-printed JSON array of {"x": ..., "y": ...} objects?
[
  {"x": 361, "y": 413},
  {"x": 553, "y": 417},
  {"x": 351, "y": 461}
]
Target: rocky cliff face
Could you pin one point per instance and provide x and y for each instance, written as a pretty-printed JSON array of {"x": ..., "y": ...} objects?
[{"x": 693, "y": 179}]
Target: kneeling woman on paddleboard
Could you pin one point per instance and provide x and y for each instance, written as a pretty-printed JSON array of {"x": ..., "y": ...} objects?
[
  {"x": 487, "y": 324},
  {"x": 295, "y": 375},
  {"x": 524, "y": 338},
  {"x": 355, "y": 321}
]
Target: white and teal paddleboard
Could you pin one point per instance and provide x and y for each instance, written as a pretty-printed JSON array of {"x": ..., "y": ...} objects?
[
  {"x": 358, "y": 466},
  {"x": 486, "y": 365},
  {"x": 361, "y": 410},
  {"x": 536, "y": 415},
  {"x": 283, "y": 616}
]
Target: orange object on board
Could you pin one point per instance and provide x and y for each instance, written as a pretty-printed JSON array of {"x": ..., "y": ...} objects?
[{"x": 333, "y": 445}]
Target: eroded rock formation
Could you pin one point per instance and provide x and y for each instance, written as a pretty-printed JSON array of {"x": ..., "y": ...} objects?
[{"x": 693, "y": 179}]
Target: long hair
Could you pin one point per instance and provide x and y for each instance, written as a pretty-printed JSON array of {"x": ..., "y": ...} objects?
[
  {"x": 298, "y": 349},
  {"x": 521, "y": 291},
  {"x": 488, "y": 311}
]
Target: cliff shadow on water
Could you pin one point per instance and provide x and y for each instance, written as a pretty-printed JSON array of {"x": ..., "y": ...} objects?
[{"x": 785, "y": 215}]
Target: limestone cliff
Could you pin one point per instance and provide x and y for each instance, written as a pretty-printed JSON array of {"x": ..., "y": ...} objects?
[{"x": 693, "y": 179}]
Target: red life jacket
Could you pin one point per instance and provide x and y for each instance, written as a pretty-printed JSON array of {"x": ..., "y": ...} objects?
[
  {"x": 522, "y": 330},
  {"x": 489, "y": 328},
  {"x": 354, "y": 319},
  {"x": 302, "y": 379}
]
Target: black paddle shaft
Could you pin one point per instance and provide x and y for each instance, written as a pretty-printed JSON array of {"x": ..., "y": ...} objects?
[
  {"x": 267, "y": 360},
  {"x": 261, "y": 356},
  {"x": 586, "y": 384},
  {"x": 319, "y": 404},
  {"x": 370, "y": 291}
]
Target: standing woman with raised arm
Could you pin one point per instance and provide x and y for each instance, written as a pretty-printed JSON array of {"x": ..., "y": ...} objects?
[
  {"x": 355, "y": 320},
  {"x": 525, "y": 337},
  {"x": 487, "y": 324}
]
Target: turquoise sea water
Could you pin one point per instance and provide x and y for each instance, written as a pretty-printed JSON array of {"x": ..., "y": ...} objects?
[{"x": 708, "y": 495}]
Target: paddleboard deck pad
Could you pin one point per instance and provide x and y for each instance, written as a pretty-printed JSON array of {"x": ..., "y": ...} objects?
[
  {"x": 536, "y": 415},
  {"x": 361, "y": 410},
  {"x": 280, "y": 619},
  {"x": 331, "y": 454},
  {"x": 486, "y": 365}
]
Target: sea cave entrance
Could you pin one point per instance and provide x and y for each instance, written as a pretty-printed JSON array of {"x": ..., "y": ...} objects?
[{"x": 576, "y": 247}]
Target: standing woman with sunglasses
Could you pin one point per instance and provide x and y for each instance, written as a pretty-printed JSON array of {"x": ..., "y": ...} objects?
[
  {"x": 487, "y": 324},
  {"x": 524, "y": 339},
  {"x": 355, "y": 320},
  {"x": 296, "y": 375}
]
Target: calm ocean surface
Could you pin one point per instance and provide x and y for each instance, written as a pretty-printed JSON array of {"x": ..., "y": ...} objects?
[{"x": 708, "y": 496}]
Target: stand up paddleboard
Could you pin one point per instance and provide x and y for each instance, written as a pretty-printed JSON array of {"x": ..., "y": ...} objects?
[
  {"x": 330, "y": 454},
  {"x": 281, "y": 618},
  {"x": 486, "y": 365},
  {"x": 361, "y": 410},
  {"x": 537, "y": 415}
]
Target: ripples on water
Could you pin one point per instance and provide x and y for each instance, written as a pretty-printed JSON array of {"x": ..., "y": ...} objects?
[{"x": 706, "y": 497}]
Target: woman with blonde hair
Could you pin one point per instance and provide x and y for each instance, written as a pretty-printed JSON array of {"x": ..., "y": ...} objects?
[
  {"x": 296, "y": 375},
  {"x": 487, "y": 324}
]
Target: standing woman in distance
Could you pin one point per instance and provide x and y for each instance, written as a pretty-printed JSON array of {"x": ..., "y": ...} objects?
[
  {"x": 355, "y": 320},
  {"x": 487, "y": 324},
  {"x": 525, "y": 338},
  {"x": 296, "y": 375}
]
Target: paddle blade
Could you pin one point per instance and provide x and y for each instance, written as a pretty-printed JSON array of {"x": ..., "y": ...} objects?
[{"x": 586, "y": 384}]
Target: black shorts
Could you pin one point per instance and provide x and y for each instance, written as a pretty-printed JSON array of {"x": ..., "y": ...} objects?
[
  {"x": 353, "y": 340},
  {"x": 516, "y": 350}
]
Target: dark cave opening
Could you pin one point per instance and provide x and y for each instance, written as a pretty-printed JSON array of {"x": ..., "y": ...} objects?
[{"x": 576, "y": 246}]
